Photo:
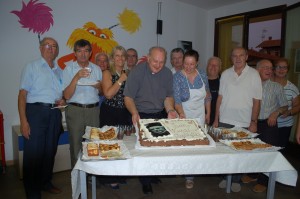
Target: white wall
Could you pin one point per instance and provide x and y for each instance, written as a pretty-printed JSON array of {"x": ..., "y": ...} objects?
[{"x": 19, "y": 46}]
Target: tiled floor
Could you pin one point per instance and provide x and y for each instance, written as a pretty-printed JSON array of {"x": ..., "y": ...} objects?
[{"x": 172, "y": 187}]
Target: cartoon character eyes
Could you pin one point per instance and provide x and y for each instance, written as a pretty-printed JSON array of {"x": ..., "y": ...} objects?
[
  {"x": 92, "y": 32},
  {"x": 103, "y": 36}
]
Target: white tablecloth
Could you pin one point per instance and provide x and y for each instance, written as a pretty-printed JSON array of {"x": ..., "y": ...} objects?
[{"x": 218, "y": 160}]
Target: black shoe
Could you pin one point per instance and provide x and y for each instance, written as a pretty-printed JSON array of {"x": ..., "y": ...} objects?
[
  {"x": 147, "y": 189},
  {"x": 155, "y": 180}
]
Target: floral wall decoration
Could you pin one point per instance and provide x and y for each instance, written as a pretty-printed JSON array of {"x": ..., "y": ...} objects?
[{"x": 35, "y": 16}]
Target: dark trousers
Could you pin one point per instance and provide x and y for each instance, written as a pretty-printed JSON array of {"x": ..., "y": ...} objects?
[
  {"x": 40, "y": 148},
  {"x": 284, "y": 136},
  {"x": 270, "y": 135},
  {"x": 146, "y": 180}
]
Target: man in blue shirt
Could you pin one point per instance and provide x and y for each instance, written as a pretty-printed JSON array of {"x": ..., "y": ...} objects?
[
  {"x": 40, "y": 91},
  {"x": 81, "y": 84}
]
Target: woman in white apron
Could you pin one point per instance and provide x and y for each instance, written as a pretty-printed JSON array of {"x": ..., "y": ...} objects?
[{"x": 191, "y": 94}]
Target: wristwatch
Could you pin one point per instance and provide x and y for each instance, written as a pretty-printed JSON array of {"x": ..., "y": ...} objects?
[{"x": 172, "y": 110}]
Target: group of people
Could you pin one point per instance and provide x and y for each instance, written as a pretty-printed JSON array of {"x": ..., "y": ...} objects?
[
  {"x": 115, "y": 91},
  {"x": 259, "y": 100}
]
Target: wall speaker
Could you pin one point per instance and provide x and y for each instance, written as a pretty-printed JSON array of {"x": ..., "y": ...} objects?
[{"x": 159, "y": 25}]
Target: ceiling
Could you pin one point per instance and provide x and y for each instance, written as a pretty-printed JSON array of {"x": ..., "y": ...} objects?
[{"x": 210, "y": 4}]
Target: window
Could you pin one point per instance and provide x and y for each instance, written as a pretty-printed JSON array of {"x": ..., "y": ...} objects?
[{"x": 258, "y": 31}]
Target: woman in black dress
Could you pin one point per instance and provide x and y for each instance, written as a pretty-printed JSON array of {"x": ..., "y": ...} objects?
[{"x": 113, "y": 111}]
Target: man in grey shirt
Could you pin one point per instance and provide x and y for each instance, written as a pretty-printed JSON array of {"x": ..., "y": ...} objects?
[{"x": 149, "y": 94}]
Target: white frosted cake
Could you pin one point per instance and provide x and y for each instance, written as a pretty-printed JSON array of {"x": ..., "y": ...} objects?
[{"x": 171, "y": 132}]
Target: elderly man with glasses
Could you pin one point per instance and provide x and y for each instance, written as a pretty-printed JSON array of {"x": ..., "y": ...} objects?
[{"x": 40, "y": 91}]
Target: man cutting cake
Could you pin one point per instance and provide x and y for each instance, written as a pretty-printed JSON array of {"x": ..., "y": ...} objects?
[{"x": 149, "y": 94}]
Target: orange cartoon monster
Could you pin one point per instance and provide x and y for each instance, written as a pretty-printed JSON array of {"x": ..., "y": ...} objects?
[{"x": 102, "y": 40}]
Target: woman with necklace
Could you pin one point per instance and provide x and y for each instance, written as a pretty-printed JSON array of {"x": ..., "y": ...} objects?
[
  {"x": 113, "y": 111},
  {"x": 213, "y": 74},
  {"x": 191, "y": 94},
  {"x": 285, "y": 122}
]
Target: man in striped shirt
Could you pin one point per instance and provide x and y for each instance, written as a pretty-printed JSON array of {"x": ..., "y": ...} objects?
[{"x": 273, "y": 104}]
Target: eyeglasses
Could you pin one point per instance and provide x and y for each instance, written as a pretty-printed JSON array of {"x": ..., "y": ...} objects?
[
  {"x": 281, "y": 67},
  {"x": 50, "y": 46},
  {"x": 267, "y": 67}
]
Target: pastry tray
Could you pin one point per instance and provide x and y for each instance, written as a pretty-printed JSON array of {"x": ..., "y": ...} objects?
[
  {"x": 103, "y": 129},
  {"x": 124, "y": 152},
  {"x": 234, "y": 130},
  {"x": 253, "y": 140},
  {"x": 217, "y": 133}
]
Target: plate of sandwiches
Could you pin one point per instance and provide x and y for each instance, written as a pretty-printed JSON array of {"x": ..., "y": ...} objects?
[
  {"x": 104, "y": 150},
  {"x": 104, "y": 133},
  {"x": 254, "y": 144}
]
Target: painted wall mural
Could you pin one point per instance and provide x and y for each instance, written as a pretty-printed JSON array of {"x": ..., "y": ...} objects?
[
  {"x": 37, "y": 18},
  {"x": 102, "y": 40}
]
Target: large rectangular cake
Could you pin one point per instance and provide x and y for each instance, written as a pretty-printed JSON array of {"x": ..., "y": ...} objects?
[{"x": 171, "y": 132}]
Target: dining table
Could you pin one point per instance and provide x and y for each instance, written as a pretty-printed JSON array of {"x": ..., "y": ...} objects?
[{"x": 214, "y": 159}]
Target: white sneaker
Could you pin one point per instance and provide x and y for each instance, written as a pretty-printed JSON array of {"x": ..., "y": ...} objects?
[
  {"x": 235, "y": 187},
  {"x": 222, "y": 184}
]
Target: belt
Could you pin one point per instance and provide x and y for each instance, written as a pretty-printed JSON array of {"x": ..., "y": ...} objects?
[
  {"x": 43, "y": 104},
  {"x": 156, "y": 113},
  {"x": 85, "y": 105}
]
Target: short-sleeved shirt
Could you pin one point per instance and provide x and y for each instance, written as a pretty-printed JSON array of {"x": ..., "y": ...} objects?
[
  {"x": 238, "y": 92},
  {"x": 82, "y": 94},
  {"x": 181, "y": 86},
  {"x": 42, "y": 83},
  {"x": 273, "y": 98},
  {"x": 291, "y": 92},
  {"x": 149, "y": 90}
]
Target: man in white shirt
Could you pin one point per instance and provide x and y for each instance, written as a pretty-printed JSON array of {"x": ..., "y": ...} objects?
[{"x": 239, "y": 99}]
